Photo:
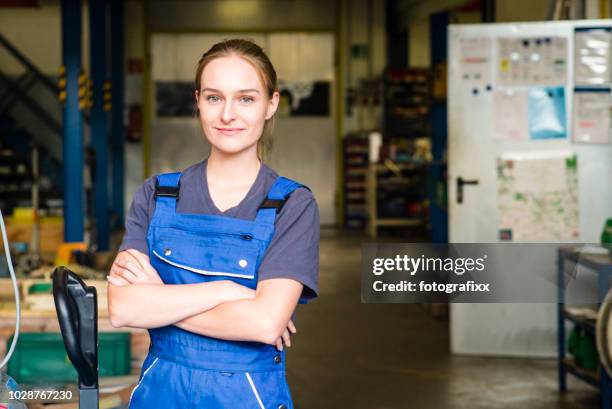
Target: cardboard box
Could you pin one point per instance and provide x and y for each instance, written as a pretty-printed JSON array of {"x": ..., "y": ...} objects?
[{"x": 51, "y": 232}]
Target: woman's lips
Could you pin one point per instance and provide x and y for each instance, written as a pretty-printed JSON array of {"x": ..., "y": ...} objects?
[{"x": 229, "y": 131}]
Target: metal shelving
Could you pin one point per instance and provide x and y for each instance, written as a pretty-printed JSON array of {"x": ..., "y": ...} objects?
[
  {"x": 601, "y": 266},
  {"x": 412, "y": 186},
  {"x": 355, "y": 151}
]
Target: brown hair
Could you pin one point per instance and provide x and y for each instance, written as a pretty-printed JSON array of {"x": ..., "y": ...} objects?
[{"x": 255, "y": 56}]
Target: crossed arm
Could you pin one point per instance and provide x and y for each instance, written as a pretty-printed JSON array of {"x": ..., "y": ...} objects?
[{"x": 137, "y": 297}]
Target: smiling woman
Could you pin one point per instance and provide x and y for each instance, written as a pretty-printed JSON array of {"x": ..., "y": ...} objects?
[
  {"x": 215, "y": 258},
  {"x": 238, "y": 88}
]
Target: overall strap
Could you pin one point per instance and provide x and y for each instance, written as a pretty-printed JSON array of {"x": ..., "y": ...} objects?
[
  {"x": 277, "y": 197},
  {"x": 166, "y": 191}
]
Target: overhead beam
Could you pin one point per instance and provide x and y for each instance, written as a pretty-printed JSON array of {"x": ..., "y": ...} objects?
[
  {"x": 487, "y": 11},
  {"x": 411, "y": 11}
]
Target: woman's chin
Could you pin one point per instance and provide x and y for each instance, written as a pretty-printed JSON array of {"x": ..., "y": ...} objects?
[{"x": 233, "y": 148}]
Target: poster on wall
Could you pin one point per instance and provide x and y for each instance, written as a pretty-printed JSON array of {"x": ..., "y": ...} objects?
[
  {"x": 547, "y": 116},
  {"x": 511, "y": 114},
  {"x": 475, "y": 64},
  {"x": 304, "y": 98},
  {"x": 537, "y": 196},
  {"x": 531, "y": 61},
  {"x": 592, "y": 55},
  {"x": 174, "y": 99},
  {"x": 591, "y": 115}
]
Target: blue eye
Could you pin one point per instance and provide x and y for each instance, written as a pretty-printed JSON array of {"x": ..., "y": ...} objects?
[
  {"x": 213, "y": 99},
  {"x": 247, "y": 100}
]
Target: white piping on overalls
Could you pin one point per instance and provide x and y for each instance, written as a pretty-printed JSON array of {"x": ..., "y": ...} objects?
[
  {"x": 142, "y": 379},
  {"x": 248, "y": 375},
  {"x": 205, "y": 272}
]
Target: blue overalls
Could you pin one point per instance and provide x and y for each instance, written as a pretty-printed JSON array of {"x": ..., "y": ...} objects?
[{"x": 187, "y": 370}]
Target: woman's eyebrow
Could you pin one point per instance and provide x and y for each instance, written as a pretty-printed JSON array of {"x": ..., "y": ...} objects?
[{"x": 240, "y": 90}]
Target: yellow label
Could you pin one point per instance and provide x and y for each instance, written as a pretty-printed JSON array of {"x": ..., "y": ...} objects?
[{"x": 504, "y": 65}]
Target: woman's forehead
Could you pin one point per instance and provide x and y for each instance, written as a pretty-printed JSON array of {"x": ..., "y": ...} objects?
[{"x": 230, "y": 73}]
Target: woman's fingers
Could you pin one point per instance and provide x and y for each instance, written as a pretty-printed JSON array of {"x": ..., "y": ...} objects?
[
  {"x": 126, "y": 256},
  {"x": 125, "y": 270},
  {"x": 115, "y": 270},
  {"x": 140, "y": 258},
  {"x": 138, "y": 265},
  {"x": 129, "y": 270},
  {"x": 286, "y": 338},
  {"x": 133, "y": 267},
  {"x": 133, "y": 272},
  {"x": 145, "y": 264},
  {"x": 130, "y": 276},
  {"x": 279, "y": 344},
  {"x": 118, "y": 281},
  {"x": 292, "y": 327}
]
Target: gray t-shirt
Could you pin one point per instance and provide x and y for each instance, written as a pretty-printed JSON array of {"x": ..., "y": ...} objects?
[{"x": 294, "y": 249}]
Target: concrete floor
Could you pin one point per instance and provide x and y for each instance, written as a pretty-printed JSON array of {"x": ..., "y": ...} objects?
[{"x": 391, "y": 356}]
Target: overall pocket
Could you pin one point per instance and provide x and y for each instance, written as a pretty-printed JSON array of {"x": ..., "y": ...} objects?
[{"x": 209, "y": 255}]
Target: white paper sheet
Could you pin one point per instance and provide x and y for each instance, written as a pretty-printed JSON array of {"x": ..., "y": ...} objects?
[
  {"x": 532, "y": 61},
  {"x": 475, "y": 64},
  {"x": 592, "y": 56},
  {"x": 511, "y": 114},
  {"x": 591, "y": 116}
]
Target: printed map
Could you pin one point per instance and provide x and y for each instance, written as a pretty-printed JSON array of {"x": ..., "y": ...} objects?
[{"x": 538, "y": 198}]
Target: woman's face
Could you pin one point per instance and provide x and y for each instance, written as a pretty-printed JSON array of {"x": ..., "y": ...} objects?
[{"x": 233, "y": 105}]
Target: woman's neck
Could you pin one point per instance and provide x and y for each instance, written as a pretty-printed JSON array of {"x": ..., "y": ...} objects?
[{"x": 235, "y": 169}]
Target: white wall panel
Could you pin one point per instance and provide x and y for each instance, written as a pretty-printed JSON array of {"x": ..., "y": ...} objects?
[{"x": 509, "y": 329}]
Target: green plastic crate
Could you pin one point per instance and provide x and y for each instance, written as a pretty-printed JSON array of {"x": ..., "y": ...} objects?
[{"x": 41, "y": 357}]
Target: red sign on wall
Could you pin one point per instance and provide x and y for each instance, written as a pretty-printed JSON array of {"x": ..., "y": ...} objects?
[{"x": 135, "y": 65}]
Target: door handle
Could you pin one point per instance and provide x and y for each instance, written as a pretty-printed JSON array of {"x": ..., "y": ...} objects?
[{"x": 460, "y": 183}]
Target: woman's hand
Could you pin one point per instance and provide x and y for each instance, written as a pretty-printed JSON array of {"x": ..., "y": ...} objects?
[
  {"x": 131, "y": 267},
  {"x": 285, "y": 339},
  {"x": 235, "y": 291}
]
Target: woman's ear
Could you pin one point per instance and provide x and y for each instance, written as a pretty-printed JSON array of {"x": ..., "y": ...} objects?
[
  {"x": 272, "y": 105},
  {"x": 197, "y": 96}
]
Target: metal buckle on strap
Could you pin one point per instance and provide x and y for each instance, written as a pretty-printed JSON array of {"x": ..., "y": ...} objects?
[
  {"x": 273, "y": 204},
  {"x": 166, "y": 191}
]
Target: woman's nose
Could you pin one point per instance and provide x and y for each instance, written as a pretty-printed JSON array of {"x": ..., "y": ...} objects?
[{"x": 228, "y": 113}]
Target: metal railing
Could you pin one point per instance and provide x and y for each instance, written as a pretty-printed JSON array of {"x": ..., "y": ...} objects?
[{"x": 17, "y": 100}]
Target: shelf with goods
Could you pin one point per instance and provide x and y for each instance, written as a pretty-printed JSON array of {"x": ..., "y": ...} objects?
[
  {"x": 364, "y": 107},
  {"x": 407, "y": 104},
  {"x": 584, "y": 319},
  {"x": 396, "y": 195},
  {"x": 581, "y": 319},
  {"x": 398, "y": 183},
  {"x": 355, "y": 155},
  {"x": 15, "y": 180}
]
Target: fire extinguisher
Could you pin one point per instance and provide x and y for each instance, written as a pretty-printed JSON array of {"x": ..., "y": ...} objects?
[{"x": 134, "y": 129}]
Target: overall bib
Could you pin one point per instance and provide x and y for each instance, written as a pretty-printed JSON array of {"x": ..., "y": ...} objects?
[{"x": 187, "y": 370}]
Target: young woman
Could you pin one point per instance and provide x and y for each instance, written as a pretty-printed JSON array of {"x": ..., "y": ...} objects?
[{"x": 215, "y": 258}]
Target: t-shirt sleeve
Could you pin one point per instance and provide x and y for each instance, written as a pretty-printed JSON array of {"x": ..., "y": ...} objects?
[
  {"x": 294, "y": 249},
  {"x": 137, "y": 220}
]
